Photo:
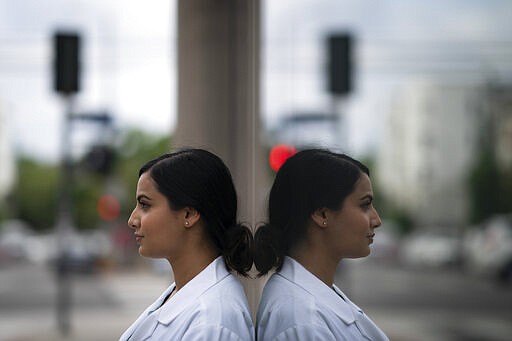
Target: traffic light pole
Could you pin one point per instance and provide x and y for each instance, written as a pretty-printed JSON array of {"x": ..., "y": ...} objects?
[
  {"x": 64, "y": 227},
  {"x": 66, "y": 82},
  {"x": 339, "y": 110},
  {"x": 339, "y": 79}
]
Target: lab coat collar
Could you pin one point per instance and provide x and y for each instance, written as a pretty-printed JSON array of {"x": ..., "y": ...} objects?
[
  {"x": 363, "y": 322},
  {"x": 295, "y": 272},
  {"x": 144, "y": 326},
  {"x": 187, "y": 295},
  {"x": 158, "y": 303},
  {"x": 365, "y": 326}
]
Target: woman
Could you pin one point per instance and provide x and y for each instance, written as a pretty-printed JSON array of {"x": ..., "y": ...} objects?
[
  {"x": 320, "y": 211},
  {"x": 186, "y": 213}
]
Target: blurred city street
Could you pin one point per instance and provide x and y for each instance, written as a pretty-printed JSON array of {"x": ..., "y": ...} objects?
[
  {"x": 104, "y": 305},
  {"x": 419, "y": 91},
  {"x": 430, "y": 304},
  {"x": 412, "y": 305}
]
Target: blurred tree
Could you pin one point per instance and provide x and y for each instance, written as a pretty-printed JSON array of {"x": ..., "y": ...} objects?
[
  {"x": 85, "y": 194},
  {"x": 5, "y": 208},
  {"x": 490, "y": 188},
  {"x": 34, "y": 197},
  {"x": 135, "y": 148},
  {"x": 387, "y": 209}
]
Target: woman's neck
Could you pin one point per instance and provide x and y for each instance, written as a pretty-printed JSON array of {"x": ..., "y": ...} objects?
[
  {"x": 315, "y": 261},
  {"x": 186, "y": 268}
]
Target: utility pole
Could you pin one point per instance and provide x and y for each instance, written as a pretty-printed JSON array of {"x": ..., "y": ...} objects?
[
  {"x": 66, "y": 82},
  {"x": 340, "y": 79},
  {"x": 64, "y": 229}
]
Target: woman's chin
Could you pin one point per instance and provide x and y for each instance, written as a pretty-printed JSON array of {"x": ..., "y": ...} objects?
[{"x": 142, "y": 252}]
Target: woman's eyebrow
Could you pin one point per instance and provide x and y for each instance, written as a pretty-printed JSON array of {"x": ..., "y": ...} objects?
[
  {"x": 142, "y": 196},
  {"x": 367, "y": 196}
]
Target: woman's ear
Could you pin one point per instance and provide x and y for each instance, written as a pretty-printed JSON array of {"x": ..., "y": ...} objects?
[
  {"x": 319, "y": 216},
  {"x": 191, "y": 216}
]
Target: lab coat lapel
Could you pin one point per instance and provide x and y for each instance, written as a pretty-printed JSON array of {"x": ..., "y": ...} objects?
[
  {"x": 187, "y": 295},
  {"x": 367, "y": 328},
  {"x": 141, "y": 328},
  {"x": 363, "y": 322},
  {"x": 295, "y": 272},
  {"x": 146, "y": 328}
]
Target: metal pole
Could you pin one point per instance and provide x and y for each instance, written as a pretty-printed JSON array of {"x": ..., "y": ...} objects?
[
  {"x": 338, "y": 109},
  {"x": 64, "y": 227}
]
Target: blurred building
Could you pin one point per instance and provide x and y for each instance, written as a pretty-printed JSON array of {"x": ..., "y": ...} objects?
[
  {"x": 7, "y": 163},
  {"x": 433, "y": 131}
]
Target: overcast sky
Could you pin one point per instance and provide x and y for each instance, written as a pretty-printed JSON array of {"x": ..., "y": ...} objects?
[
  {"x": 127, "y": 65},
  {"x": 129, "y": 58}
]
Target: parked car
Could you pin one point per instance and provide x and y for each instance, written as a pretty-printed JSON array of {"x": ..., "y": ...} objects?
[
  {"x": 84, "y": 254},
  {"x": 13, "y": 240},
  {"x": 431, "y": 247},
  {"x": 488, "y": 248}
]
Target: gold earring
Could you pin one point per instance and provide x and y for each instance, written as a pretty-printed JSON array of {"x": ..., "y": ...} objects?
[{"x": 186, "y": 223}]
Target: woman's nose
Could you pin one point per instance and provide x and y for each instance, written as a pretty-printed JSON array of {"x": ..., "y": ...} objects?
[
  {"x": 376, "y": 220},
  {"x": 132, "y": 221}
]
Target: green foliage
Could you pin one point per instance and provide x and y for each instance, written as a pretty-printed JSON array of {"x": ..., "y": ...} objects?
[
  {"x": 135, "y": 149},
  {"x": 5, "y": 209},
  {"x": 386, "y": 208},
  {"x": 34, "y": 198},
  {"x": 87, "y": 189},
  {"x": 490, "y": 188},
  {"x": 401, "y": 218}
]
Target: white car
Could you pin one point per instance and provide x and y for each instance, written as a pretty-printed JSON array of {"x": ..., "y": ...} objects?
[
  {"x": 432, "y": 248},
  {"x": 488, "y": 248}
]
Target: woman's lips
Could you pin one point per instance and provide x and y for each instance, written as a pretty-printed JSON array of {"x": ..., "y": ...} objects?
[{"x": 370, "y": 237}]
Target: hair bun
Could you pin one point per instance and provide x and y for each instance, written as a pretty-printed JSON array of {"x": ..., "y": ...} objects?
[
  {"x": 268, "y": 252},
  {"x": 238, "y": 248}
]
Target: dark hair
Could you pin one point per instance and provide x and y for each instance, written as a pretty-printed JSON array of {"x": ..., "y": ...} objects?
[
  {"x": 199, "y": 179},
  {"x": 307, "y": 181}
]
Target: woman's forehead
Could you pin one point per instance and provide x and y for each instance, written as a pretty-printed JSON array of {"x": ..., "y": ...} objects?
[
  {"x": 146, "y": 183},
  {"x": 363, "y": 184}
]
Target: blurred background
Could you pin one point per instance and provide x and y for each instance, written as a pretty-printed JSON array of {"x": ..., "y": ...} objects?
[{"x": 420, "y": 91}]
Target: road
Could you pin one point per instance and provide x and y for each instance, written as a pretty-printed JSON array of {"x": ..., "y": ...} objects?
[
  {"x": 429, "y": 304},
  {"x": 409, "y": 305},
  {"x": 103, "y": 306}
]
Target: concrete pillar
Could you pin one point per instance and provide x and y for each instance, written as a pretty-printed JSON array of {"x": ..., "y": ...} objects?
[{"x": 218, "y": 96}]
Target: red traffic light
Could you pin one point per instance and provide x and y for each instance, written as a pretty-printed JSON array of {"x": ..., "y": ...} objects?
[
  {"x": 108, "y": 207},
  {"x": 279, "y": 154}
]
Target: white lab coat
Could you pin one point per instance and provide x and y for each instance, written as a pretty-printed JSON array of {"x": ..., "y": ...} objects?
[
  {"x": 296, "y": 305},
  {"x": 212, "y": 306}
]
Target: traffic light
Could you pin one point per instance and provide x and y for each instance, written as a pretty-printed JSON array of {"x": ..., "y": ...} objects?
[
  {"x": 108, "y": 207},
  {"x": 339, "y": 72},
  {"x": 279, "y": 154},
  {"x": 99, "y": 159},
  {"x": 66, "y": 68}
]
